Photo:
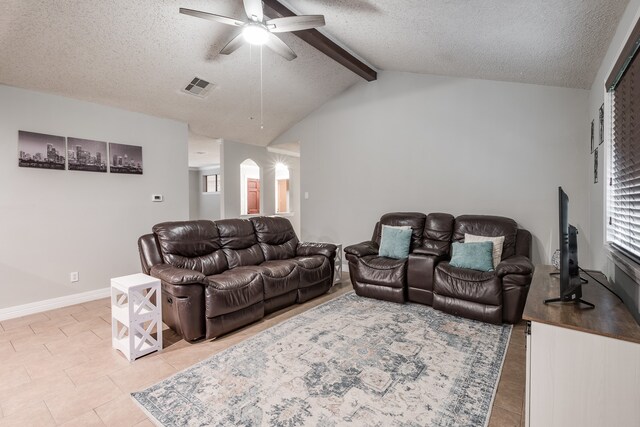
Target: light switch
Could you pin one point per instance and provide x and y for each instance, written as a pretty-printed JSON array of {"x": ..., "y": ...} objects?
[{"x": 306, "y": 194}]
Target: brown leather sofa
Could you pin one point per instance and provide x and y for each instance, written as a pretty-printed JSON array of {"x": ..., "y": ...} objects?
[
  {"x": 426, "y": 276},
  {"x": 220, "y": 276}
]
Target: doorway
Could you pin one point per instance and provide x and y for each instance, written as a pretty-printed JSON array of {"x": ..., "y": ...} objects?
[
  {"x": 250, "y": 188},
  {"x": 253, "y": 196}
]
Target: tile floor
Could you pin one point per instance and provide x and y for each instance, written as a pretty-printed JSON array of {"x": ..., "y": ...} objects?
[{"x": 58, "y": 368}]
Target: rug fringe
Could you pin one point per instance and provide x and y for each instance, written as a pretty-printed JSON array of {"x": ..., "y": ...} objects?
[
  {"x": 151, "y": 418},
  {"x": 495, "y": 389}
]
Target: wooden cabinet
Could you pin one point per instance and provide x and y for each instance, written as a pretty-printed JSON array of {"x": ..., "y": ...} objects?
[{"x": 583, "y": 365}]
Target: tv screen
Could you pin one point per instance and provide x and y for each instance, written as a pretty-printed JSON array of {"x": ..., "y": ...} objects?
[{"x": 570, "y": 282}]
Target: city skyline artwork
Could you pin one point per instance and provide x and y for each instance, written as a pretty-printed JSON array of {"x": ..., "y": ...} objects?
[{"x": 42, "y": 151}]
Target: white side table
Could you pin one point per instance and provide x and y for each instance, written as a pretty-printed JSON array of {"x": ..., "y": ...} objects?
[
  {"x": 136, "y": 315},
  {"x": 337, "y": 266}
]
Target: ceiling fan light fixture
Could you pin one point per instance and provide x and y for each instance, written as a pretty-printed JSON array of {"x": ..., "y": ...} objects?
[{"x": 255, "y": 34}]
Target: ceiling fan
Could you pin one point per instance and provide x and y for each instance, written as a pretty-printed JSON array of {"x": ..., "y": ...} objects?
[{"x": 258, "y": 31}]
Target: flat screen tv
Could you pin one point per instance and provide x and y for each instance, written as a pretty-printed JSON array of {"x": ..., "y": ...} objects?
[{"x": 570, "y": 281}]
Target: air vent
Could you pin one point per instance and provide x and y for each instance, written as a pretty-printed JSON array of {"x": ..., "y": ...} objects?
[{"x": 198, "y": 87}]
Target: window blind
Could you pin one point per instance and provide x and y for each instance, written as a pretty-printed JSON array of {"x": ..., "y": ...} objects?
[{"x": 624, "y": 182}]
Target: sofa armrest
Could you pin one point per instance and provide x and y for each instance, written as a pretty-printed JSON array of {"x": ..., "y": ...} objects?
[
  {"x": 177, "y": 276},
  {"x": 516, "y": 264},
  {"x": 430, "y": 252},
  {"x": 362, "y": 249},
  {"x": 308, "y": 249}
]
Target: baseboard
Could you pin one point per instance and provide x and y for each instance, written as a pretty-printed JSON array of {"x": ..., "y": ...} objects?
[{"x": 53, "y": 303}]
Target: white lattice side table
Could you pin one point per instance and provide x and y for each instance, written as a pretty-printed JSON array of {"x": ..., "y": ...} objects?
[
  {"x": 136, "y": 315},
  {"x": 337, "y": 266}
]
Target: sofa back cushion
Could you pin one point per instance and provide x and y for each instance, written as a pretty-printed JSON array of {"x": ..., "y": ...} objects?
[
  {"x": 490, "y": 226},
  {"x": 438, "y": 230},
  {"x": 276, "y": 237},
  {"x": 191, "y": 244},
  {"x": 239, "y": 242},
  {"x": 414, "y": 220}
]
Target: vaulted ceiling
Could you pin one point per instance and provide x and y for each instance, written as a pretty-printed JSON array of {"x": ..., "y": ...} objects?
[{"x": 138, "y": 55}]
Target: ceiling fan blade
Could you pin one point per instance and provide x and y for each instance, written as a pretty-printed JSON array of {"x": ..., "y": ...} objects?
[
  {"x": 254, "y": 9},
  {"x": 212, "y": 17},
  {"x": 295, "y": 23},
  {"x": 278, "y": 46},
  {"x": 233, "y": 45}
]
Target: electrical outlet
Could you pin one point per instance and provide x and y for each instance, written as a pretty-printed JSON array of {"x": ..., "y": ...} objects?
[{"x": 74, "y": 276}]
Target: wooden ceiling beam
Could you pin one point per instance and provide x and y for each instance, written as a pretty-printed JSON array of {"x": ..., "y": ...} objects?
[{"x": 274, "y": 9}]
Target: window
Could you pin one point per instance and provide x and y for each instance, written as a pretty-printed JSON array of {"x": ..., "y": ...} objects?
[
  {"x": 212, "y": 183},
  {"x": 623, "y": 198},
  {"x": 249, "y": 188},
  {"x": 282, "y": 188}
]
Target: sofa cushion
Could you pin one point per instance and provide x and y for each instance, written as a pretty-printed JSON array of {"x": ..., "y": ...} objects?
[
  {"x": 382, "y": 263},
  {"x": 233, "y": 290},
  {"x": 193, "y": 245},
  {"x": 239, "y": 242},
  {"x": 474, "y": 256},
  {"x": 415, "y": 220},
  {"x": 279, "y": 277},
  {"x": 438, "y": 229},
  {"x": 276, "y": 237},
  {"x": 469, "y": 285},
  {"x": 382, "y": 271},
  {"x": 395, "y": 242},
  {"x": 486, "y": 225}
]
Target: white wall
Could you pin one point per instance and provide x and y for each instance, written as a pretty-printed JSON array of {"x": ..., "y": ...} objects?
[
  {"x": 56, "y": 222},
  {"x": 194, "y": 193},
  {"x": 411, "y": 142},
  {"x": 233, "y": 154},
  {"x": 628, "y": 288},
  {"x": 596, "y": 99},
  {"x": 203, "y": 205}
]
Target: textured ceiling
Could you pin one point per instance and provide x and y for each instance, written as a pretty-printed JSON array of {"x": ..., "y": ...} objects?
[
  {"x": 139, "y": 54},
  {"x": 547, "y": 42}
]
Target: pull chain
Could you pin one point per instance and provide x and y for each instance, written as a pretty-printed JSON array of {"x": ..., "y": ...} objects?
[
  {"x": 250, "y": 84},
  {"x": 261, "y": 93}
]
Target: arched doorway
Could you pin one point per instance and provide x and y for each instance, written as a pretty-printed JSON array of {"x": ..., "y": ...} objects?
[{"x": 250, "y": 188}]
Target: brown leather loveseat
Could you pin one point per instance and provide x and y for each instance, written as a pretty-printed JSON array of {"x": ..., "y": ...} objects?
[
  {"x": 427, "y": 277},
  {"x": 219, "y": 276}
]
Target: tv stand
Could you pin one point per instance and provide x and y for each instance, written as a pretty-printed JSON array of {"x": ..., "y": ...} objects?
[
  {"x": 582, "y": 364},
  {"x": 575, "y": 301},
  {"x": 576, "y": 293}
]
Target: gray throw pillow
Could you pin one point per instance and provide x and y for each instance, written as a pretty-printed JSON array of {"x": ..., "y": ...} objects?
[
  {"x": 474, "y": 256},
  {"x": 395, "y": 242}
]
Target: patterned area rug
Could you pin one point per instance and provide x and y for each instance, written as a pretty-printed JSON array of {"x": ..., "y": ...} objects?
[{"x": 351, "y": 361}]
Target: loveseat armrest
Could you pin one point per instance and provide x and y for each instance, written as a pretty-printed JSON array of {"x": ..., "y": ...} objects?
[
  {"x": 430, "y": 252},
  {"x": 309, "y": 249},
  {"x": 177, "y": 276},
  {"x": 516, "y": 264},
  {"x": 362, "y": 249}
]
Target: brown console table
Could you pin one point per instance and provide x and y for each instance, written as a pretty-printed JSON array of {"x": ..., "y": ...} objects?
[
  {"x": 610, "y": 318},
  {"x": 583, "y": 365}
]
